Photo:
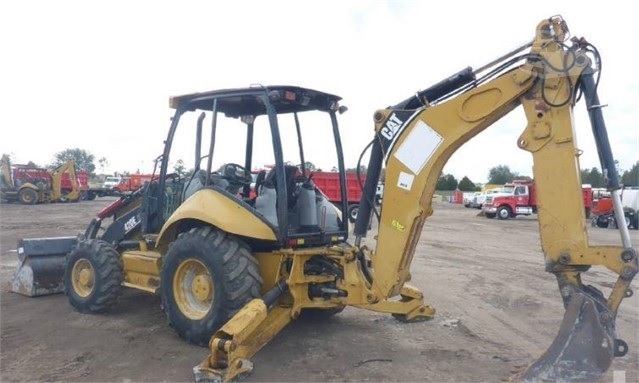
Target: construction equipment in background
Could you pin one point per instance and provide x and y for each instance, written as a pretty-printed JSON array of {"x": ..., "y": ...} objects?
[
  {"x": 30, "y": 185},
  {"x": 68, "y": 191},
  {"x": 233, "y": 270},
  {"x": 25, "y": 184},
  {"x": 81, "y": 179},
  {"x": 130, "y": 183}
]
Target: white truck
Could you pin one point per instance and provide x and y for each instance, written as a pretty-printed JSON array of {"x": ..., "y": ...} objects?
[{"x": 479, "y": 199}]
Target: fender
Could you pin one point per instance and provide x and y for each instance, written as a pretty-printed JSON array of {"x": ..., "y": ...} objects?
[
  {"x": 29, "y": 185},
  {"x": 217, "y": 209}
]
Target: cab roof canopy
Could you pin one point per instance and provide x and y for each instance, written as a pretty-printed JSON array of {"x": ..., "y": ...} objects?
[{"x": 249, "y": 101}]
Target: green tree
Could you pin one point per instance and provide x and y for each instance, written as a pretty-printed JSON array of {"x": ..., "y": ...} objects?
[
  {"x": 179, "y": 168},
  {"x": 362, "y": 170},
  {"x": 103, "y": 163},
  {"x": 466, "y": 185},
  {"x": 309, "y": 166},
  {"x": 631, "y": 177},
  {"x": 500, "y": 175},
  {"x": 83, "y": 159},
  {"x": 447, "y": 182},
  {"x": 592, "y": 177}
]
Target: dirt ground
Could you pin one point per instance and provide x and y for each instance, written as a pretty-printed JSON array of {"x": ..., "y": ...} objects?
[{"x": 496, "y": 309}]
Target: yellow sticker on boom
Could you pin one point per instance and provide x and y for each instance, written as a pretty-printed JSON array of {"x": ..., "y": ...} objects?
[{"x": 398, "y": 226}]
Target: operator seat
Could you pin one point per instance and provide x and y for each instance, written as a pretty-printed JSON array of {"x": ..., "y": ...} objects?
[
  {"x": 259, "y": 181},
  {"x": 196, "y": 183},
  {"x": 290, "y": 176}
]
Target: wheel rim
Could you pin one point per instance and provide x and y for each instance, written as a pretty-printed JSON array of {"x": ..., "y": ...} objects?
[
  {"x": 27, "y": 197},
  {"x": 503, "y": 213},
  {"x": 354, "y": 214},
  {"x": 193, "y": 289},
  {"x": 83, "y": 277}
]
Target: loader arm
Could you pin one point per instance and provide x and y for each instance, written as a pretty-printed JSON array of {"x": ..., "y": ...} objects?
[{"x": 417, "y": 137}]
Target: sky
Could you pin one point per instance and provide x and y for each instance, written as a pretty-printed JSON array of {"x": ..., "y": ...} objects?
[{"x": 97, "y": 75}]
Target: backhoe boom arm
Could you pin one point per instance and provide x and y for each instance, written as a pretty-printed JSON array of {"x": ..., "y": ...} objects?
[
  {"x": 418, "y": 136},
  {"x": 414, "y": 139}
]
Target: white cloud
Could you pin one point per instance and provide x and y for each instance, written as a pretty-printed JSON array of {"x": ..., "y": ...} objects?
[{"x": 97, "y": 75}]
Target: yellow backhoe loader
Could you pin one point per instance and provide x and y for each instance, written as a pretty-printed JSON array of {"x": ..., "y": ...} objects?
[
  {"x": 31, "y": 185},
  {"x": 25, "y": 184},
  {"x": 65, "y": 173},
  {"x": 233, "y": 270}
]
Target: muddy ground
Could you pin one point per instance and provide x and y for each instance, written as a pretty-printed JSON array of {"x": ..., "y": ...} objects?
[{"x": 496, "y": 309}]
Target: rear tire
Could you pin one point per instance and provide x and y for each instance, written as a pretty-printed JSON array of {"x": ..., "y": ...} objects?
[
  {"x": 28, "y": 196},
  {"x": 207, "y": 276},
  {"x": 601, "y": 221},
  {"x": 93, "y": 276}
]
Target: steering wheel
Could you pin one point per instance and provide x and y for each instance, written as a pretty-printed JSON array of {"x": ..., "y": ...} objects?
[{"x": 236, "y": 174}]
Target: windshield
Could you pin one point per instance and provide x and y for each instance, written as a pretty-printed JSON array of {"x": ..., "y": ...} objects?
[
  {"x": 507, "y": 190},
  {"x": 112, "y": 179}
]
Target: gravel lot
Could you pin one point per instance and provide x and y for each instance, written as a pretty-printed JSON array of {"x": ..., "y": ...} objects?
[{"x": 496, "y": 309}]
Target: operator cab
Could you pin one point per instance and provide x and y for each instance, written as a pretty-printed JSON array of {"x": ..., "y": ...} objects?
[{"x": 258, "y": 147}]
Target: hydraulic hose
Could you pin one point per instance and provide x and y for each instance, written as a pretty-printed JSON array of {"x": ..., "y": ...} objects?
[{"x": 370, "y": 187}]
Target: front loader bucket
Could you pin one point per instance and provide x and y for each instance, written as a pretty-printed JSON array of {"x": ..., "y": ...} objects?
[
  {"x": 41, "y": 265},
  {"x": 583, "y": 349}
]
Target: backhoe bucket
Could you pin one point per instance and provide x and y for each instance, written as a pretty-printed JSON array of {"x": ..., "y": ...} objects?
[
  {"x": 41, "y": 265},
  {"x": 583, "y": 349}
]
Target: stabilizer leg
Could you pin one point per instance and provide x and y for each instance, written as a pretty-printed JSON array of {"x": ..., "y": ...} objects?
[
  {"x": 239, "y": 339},
  {"x": 409, "y": 308}
]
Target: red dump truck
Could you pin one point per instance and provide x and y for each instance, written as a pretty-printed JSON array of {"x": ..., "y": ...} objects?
[
  {"x": 328, "y": 183},
  {"x": 86, "y": 191},
  {"x": 126, "y": 185},
  {"x": 82, "y": 178},
  {"x": 131, "y": 183},
  {"x": 523, "y": 201}
]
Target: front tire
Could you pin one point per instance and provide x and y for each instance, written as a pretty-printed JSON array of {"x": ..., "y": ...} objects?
[
  {"x": 503, "y": 212},
  {"x": 28, "y": 196},
  {"x": 93, "y": 276},
  {"x": 207, "y": 276}
]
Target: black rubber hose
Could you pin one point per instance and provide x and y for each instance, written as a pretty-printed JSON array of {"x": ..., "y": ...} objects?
[
  {"x": 589, "y": 89},
  {"x": 273, "y": 294}
]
